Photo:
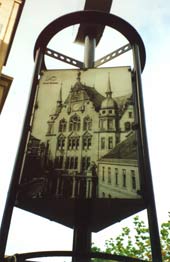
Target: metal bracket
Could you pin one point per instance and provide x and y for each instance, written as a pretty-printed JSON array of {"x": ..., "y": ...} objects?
[
  {"x": 113, "y": 55},
  {"x": 101, "y": 61},
  {"x": 63, "y": 58}
]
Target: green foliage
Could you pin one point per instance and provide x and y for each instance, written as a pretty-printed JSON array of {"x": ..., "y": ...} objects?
[{"x": 136, "y": 243}]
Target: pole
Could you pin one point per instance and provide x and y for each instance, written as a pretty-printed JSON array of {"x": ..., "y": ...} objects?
[
  {"x": 82, "y": 232},
  {"x": 150, "y": 201},
  {"x": 12, "y": 192},
  {"x": 89, "y": 51}
]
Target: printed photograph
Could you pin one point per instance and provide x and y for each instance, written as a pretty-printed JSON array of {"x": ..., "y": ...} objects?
[{"x": 82, "y": 143}]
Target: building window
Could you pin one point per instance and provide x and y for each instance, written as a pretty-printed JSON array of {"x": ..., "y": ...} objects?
[
  {"x": 109, "y": 175},
  {"x": 101, "y": 123},
  {"x": 130, "y": 114},
  {"x": 76, "y": 162},
  {"x": 124, "y": 177},
  {"x": 85, "y": 163},
  {"x": 103, "y": 173},
  {"x": 116, "y": 177},
  {"x": 62, "y": 125},
  {"x": 103, "y": 143},
  {"x": 67, "y": 162},
  {"x": 110, "y": 142},
  {"x": 110, "y": 123},
  {"x": 87, "y": 142},
  {"x": 87, "y": 123},
  {"x": 61, "y": 143},
  {"x": 50, "y": 125},
  {"x": 71, "y": 163},
  {"x": 127, "y": 126},
  {"x": 133, "y": 177},
  {"x": 74, "y": 124},
  {"x": 59, "y": 162},
  {"x": 73, "y": 143}
]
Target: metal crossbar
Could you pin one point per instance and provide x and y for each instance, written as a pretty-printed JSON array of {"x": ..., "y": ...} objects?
[
  {"x": 101, "y": 61},
  {"x": 113, "y": 55},
  {"x": 63, "y": 58}
]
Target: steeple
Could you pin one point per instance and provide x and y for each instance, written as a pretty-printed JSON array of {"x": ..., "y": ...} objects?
[
  {"x": 108, "y": 102},
  {"x": 59, "y": 101},
  {"x": 109, "y": 90}
]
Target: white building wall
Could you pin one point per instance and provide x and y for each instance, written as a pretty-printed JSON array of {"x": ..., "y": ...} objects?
[{"x": 115, "y": 188}]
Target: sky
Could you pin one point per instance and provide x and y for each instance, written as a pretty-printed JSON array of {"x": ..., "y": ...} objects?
[{"x": 152, "y": 21}]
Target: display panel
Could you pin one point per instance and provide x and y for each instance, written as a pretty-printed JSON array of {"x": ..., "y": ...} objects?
[
  {"x": 82, "y": 143},
  {"x": 81, "y": 157}
]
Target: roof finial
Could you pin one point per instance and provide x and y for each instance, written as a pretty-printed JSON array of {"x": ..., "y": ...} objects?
[
  {"x": 78, "y": 76},
  {"x": 109, "y": 90}
]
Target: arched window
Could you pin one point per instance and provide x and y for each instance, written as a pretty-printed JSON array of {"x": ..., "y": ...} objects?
[
  {"x": 87, "y": 123},
  {"x": 74, "y": 123},
  {"x": 62, "y": 125}
]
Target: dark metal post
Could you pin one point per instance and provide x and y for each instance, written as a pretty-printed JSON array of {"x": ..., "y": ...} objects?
[
  {"x": 12, "y": 192},
  {"x": 89, "y": 52},
  {"x": 82, "y": 232},
  {"x": 150, "y": 201}
]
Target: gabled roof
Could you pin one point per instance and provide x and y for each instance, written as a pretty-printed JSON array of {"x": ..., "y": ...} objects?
[
  {"x": 92, "y": 94},
  {"x": 127, "y": 149}
]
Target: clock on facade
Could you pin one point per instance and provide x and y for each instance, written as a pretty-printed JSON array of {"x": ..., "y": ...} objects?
[{"x": 76, "y": 106}]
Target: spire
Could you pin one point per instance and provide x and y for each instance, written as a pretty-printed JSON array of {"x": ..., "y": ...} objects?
[
  {"x": 109, "y": 90},
  {"x": 59, "y": 101}
]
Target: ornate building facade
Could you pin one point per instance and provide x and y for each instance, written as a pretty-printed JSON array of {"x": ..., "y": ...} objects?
[{"x": 86, "y": 126}]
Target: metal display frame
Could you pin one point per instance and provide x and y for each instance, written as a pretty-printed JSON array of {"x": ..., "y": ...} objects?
[{"x": 82, "y": 235}]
